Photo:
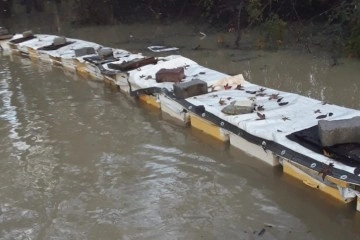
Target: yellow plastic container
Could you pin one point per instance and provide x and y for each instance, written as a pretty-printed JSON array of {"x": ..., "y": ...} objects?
[
  {"x": 294, "y": 170},
  {"x": 208, "y": 128},
  {"x": 149, "y": 99}
]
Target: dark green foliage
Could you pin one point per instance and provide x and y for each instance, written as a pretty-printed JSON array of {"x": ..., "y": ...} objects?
[
  {"x": 5, "y": 8},
  {"x": 93, "y": 11},
  {"x": 340, "y": 19},
  {"x": 344, "y": 19}
]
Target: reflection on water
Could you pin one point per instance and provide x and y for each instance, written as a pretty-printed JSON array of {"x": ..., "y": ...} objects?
[{"x": 79, "y": 161}]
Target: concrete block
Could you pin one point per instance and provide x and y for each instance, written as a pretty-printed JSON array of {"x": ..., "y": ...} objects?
[
  {"x": 339, "y": 131},
  {"x": 239, "y": 107},
  {"x": 59, "y": 41},
  {"x": 84, "y": 51},
  {"x": 105, "y": 53},
  {"x": 27, "y": 34},
  {"x": 190, "y": 89}
]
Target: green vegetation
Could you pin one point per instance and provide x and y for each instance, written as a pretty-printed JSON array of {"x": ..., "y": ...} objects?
[
  {"x": 339, "y": 20},
  {"x": 344, "y": 19}
]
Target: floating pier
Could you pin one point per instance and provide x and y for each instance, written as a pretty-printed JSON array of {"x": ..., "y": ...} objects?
[{"x": 279, "y": 128}]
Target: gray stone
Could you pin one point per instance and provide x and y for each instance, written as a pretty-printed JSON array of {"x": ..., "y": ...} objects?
[
  {"x": 28, "y": 34},
  {"x": 84, "y": 51},
  {"x": 239, "y": 107},
  {"x": 105, "y": 53},
  {"x": 59, "y": 41},
  {"x": 339, "y": 131},
  {"x": 190, "y": 89}
]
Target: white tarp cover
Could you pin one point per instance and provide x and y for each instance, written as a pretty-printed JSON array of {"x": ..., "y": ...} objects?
[
  {"x": 38, "y": 42},
  {"x": 299, "y": 113},
  {"x": 68, "y": 51}
]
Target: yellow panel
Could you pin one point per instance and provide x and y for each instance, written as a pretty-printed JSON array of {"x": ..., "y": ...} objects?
[
  {"x": 83, "y": 72},
  {"x": 295, "y": 172},
  {"x": 56, "y": 60},
  {"x": 111, "y": 83},
  {"x": 32, "y": 53},
  {"x": 358, "y": 204},
  {"x": 81, "y": 69},
  {"x": 213, "y": 142},
  {"x": 80, "y": 65},
  {"x": 333, "y": 180},
  {"x": 15, "y": 52},
  {"x": 109, "y": 80},
  {"x": 32, "y": 56},
  {"x": 149, "y": 99},
  {"x": 338, "y": 182},
  {"x": 208, "y": 127},
  {"x": 13, "y": 46}
]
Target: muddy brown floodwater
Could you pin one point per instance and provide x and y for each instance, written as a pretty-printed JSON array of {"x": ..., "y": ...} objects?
[{"x": 79, "y": 161}]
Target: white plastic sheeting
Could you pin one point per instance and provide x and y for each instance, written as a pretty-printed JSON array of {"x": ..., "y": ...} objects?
[
  {"x": 299, "y": 113},
  {"x": 68, "y": 51},
  {"x": 38, "y": 42}
]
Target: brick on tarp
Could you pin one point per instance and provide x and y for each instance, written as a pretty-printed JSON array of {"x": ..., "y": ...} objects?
[
  {"x": 339, "y": 131},
  {"x": 170, "y": 75},
  {"x": 190, "y": 89},
  {"x": 84, "y": 51}
]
